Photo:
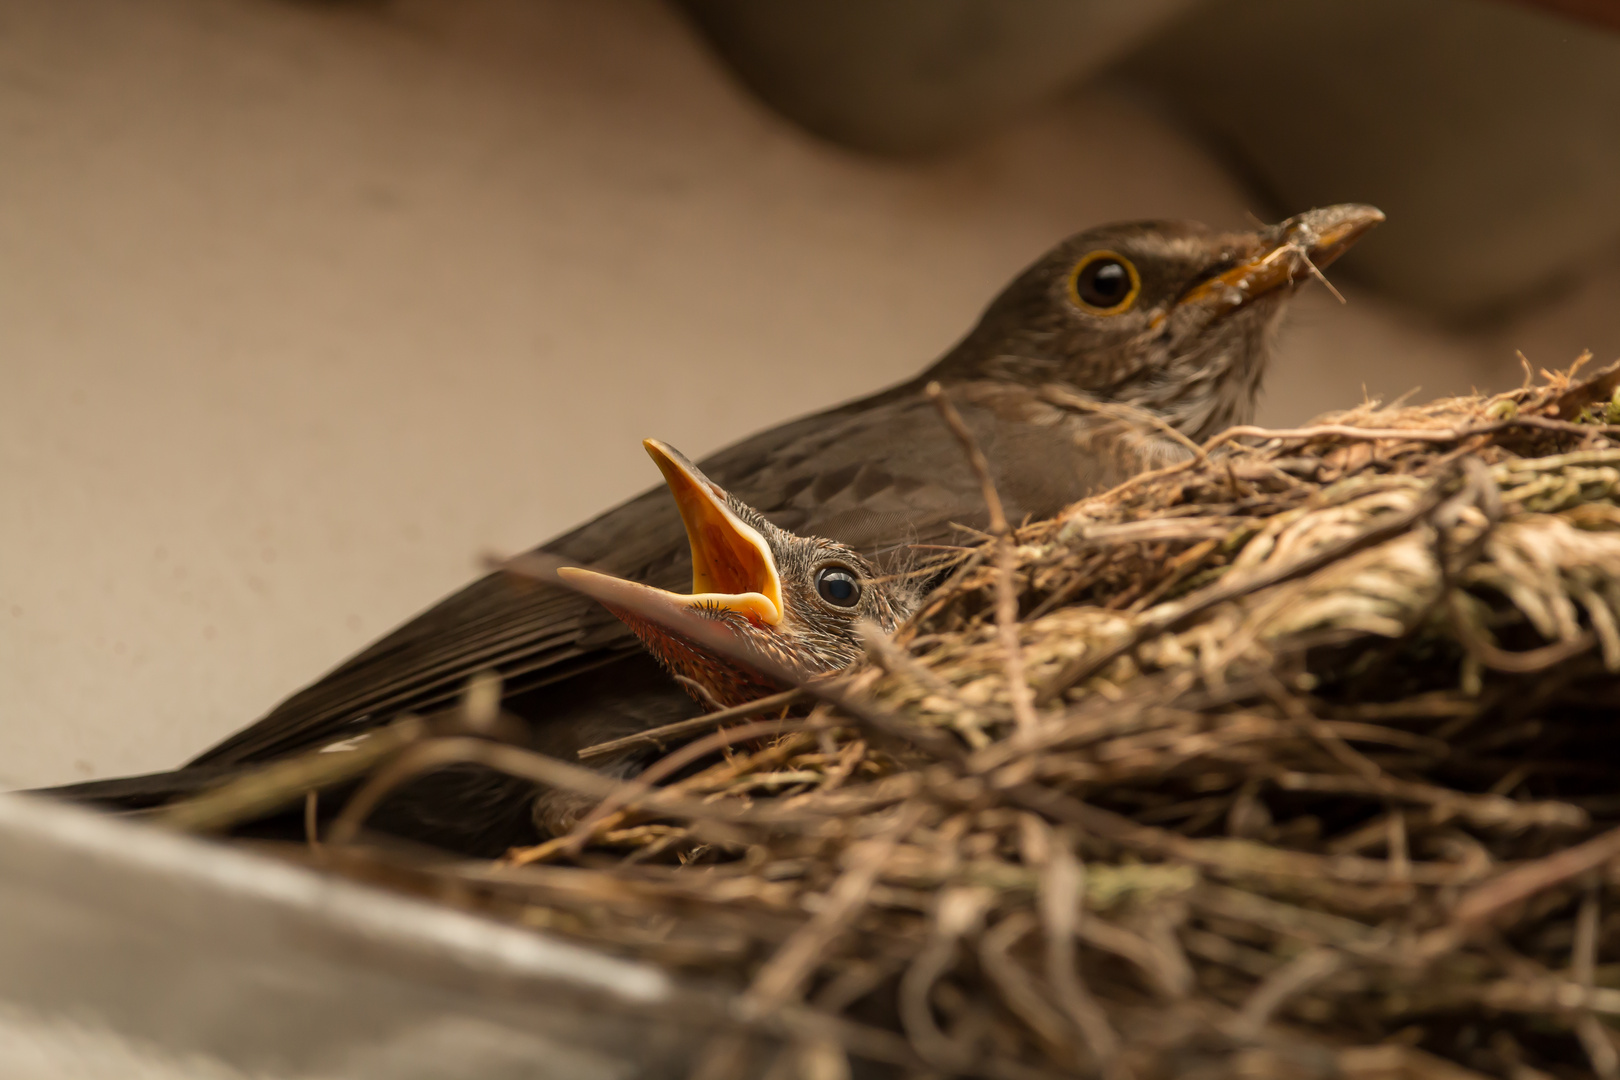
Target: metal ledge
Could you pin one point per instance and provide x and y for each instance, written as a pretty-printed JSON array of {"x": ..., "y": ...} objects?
[{"x": 130, "y": 952}]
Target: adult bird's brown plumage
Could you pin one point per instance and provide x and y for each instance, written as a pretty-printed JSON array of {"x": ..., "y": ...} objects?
[{"x": 1169, "y": 318}]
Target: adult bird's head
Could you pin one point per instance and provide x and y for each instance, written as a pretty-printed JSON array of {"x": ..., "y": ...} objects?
[
  {"x": 1168, "y": 316},
  {"x": 767, "y": 606}
]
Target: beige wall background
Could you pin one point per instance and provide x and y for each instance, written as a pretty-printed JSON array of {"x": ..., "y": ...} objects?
[{"x": 304, "y": 306}]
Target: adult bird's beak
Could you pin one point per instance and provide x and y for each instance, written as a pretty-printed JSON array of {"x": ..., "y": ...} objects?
[
  {"x": 1279, "y": 256},
  {"x": 732, "y": 565}
]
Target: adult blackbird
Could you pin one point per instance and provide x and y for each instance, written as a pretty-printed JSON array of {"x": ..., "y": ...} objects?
[{"x": 1170, "y": 320}]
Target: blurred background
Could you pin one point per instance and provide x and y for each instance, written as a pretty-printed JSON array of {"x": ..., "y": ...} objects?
[{"x": 303, "y": 306}]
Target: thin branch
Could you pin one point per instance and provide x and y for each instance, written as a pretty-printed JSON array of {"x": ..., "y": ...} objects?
[
  {"x": 1294, "y": 977},
  {"x": 626, "y": 794},
  {"x": 1018, "y": 691},
  {"x": 281, "y": 784},
  {"x": 699, "y": 691},
  {"x": 661, "y": 737},
  {"x": 1186, "y": 611},
  {"x": 781, "y": 978},
  {"x": 895, "y": 660},
  {"x": 1350, "y": 431},
  {"x": 436, "y": 754},
  {"x": 431, "y": 755},
  {"x": 1068, "y": 399},
  {"x": 1484, "y": 901},
  {"x": 312, "y": 819},
  {"x": 1060, "y": 900}
]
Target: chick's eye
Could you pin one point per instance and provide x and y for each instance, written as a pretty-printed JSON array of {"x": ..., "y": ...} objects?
[
  {"x": 1104, "y": 283},
  {"x": 838, "y": 586}
]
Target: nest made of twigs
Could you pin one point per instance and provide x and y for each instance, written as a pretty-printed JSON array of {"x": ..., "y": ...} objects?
[{"x": 1307, "y": 768}]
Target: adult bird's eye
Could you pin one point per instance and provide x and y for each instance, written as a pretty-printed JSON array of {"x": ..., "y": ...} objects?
[
  {"x": 838, "y": 586},
  {"x": 1105, "y": 283}
]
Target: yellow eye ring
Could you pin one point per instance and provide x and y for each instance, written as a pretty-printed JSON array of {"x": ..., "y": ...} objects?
[{"x": 1094, "y": 280}]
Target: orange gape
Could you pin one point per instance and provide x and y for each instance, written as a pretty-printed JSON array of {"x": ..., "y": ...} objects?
[
  {"x": 733, "y": 567},
  {"x": 768, "y": 608}
]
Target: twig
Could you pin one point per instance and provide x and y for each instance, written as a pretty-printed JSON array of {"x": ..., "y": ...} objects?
[
  {"x": 1088, "y": 664},
  {"x": 1295, "y": 710},
  {"x": 1482, "y": 810},
  {"x": 1018, "y": 989},
  {"x": 1582, "y": 968},
  {"x": 895, "y": 660},
  {"x": 976, "y": 459},
  {"x": 1598, "y": 1044},
  {"x": 1233, "y": 857},
  {"x": 625, "y": 794},
  {"x": 1397, "y": 848},
  {"x": 438, "y": 753},
  {"x": 1296, "y": 976},
  {"x": 312, "y": 820},
  {"x": 958, "y": 912},
  {"x": 1018, "y": 690},
  {"x": 1583, "y": 949},
  {"x": 1525, "y": 662},
  {"x": 1350, "y": 431},
  {"x": 433, "y": 754},
  {"x": 861, "y": 1040},
  {"x": 1060, "y": 900},
  {"x": 1059, "y": 395},
  {"x": 782, "y": 977},
  {"x": 1520, "y": 883},
  {"x": 699, "y": 691},
  {"x": 1341, "y": 431},
  {"x": 281, "y": 784},
  {"x": 1316, "y": 273},
  {"x": 661, "y": 737}
]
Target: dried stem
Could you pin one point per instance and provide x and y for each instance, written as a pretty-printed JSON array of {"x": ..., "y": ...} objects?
[
  {"x": 661, "y": 737},
  {"x": 1018, "y": 690}
]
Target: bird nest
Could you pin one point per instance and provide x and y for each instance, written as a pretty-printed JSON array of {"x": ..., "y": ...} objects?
[{"x": 1295, "y": 759}]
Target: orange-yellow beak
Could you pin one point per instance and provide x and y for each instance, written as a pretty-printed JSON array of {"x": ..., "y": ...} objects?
[{"x": 732, "y": 565}]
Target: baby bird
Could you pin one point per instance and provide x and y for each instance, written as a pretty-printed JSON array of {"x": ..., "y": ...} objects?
[{"x": 768, "y": 608}]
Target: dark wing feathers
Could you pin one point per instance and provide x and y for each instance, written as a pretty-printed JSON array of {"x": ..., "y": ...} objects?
[{"x": 877, "y": 475}]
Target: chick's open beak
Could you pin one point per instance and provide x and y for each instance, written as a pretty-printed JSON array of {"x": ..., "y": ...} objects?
[
  {"x": 732, "y": 565},
  {"x": 1282, "y": 255}
]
